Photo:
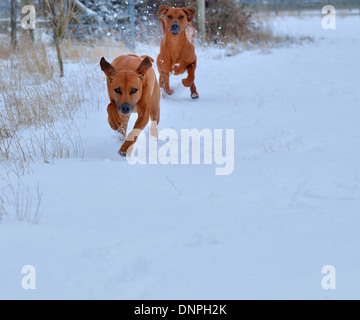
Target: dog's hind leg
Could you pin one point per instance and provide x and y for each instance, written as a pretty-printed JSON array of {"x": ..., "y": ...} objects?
[
  {"x": 194, "y": 94},
  {"x": 191, "y": 75},
  {"x": 190, "y": 80}
]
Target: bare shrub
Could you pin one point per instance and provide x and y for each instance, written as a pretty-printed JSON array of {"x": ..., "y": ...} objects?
[
  {"x": 60, "y": 14},
  {"x": 229, "y": 21}
]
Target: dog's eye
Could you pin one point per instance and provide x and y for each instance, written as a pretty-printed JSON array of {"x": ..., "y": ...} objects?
[
  {"x": 170, "y": 17},
  {"x": 181, "y": 17},
  {"x": 118, "y": 90},
  {"x": 133, "y": 91}
]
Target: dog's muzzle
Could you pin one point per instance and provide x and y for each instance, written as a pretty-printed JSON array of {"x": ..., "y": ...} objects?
[
  {"x": 125, "y": 108},
  {"x": 175, "y": 28}
]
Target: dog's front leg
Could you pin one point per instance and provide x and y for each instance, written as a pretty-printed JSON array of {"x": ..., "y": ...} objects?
[
  {"x": 190, "y": 80},
  {"x": 140, "y": 124},
  {"x": 165, "y": 82},
  {"x": 117, "y": 121}
]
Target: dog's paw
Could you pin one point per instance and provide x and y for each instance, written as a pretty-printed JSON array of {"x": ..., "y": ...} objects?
[
  {"x": 123, "y": 150},
  {"x": 195, "y": 96},
  {"x": 126, "y": 148},
  {"x": 169, "y": 92},
  {"x": 126, "y": 152},
  {"x": 122, "y": 153},
  {"x": 114, "y": 124}
]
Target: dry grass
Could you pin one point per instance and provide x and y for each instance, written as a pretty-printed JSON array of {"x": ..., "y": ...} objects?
[
  {"x": 3, "y": 212},
  {"x": 92, "y": 51},
  {"x": 36, "y": 109},
  {"x": 5, "y": 49},
  {"x": 20, "y": 199},
  {"x": 268, "y": 38},
  {"x": 37, "y": 112}
]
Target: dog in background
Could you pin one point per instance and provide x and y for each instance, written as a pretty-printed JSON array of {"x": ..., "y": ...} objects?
[
  {"x": 132, "y": 87},
  {"x": 177, "y": 53}
]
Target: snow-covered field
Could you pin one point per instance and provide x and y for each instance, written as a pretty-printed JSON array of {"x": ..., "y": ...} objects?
[{"x": 292, "y": 205}]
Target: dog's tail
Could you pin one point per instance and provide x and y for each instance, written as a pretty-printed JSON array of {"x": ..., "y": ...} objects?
[{"x": 162, "y": 20}]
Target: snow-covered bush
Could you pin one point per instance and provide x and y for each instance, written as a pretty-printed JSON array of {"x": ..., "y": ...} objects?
[{"x": 229, "y": 21}]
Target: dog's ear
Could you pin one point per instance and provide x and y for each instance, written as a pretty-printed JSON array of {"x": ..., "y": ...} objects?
[
  {"x": 151, "y": 59},
  {"x": 144, "y": 66},
  {"x": 163, "y": 10},
  {"x": 191, "y": 13},
  {"x": 107, "y": 68}
]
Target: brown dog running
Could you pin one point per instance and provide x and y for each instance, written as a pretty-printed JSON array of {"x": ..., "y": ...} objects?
[
  {"x": 132, "y": 87},
  {"x": 177, "y": 53}
]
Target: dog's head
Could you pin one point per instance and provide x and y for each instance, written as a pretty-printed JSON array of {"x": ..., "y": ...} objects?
[
  {"x": 177, "y": 19},
  {"x": 125, "y": 87}
]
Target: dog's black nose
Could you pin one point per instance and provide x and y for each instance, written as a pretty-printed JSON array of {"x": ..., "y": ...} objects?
[
  {"x": 125, "y": 108},
  {"x": 175, "y": 28}
]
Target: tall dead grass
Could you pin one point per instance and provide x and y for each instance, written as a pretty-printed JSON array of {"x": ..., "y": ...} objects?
[
  {"x": 90, "y": 51},
  {"x": 3, "y": 212},
  {"x": 36, "y": 108},
  {"x": 37, "y": 112},
  {"x": 5, "y": 48},
  {"x": 24, "y": 201}
]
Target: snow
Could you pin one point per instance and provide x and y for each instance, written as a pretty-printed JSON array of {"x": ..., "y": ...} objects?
[{"x": 111, "y": 230}]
